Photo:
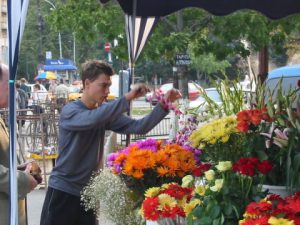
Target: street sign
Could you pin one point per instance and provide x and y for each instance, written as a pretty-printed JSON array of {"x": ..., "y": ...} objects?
[
  {"x": 107, "y": 47},
  {"x": 48, "y": 55},
  {"x": 182, "y": 59}
]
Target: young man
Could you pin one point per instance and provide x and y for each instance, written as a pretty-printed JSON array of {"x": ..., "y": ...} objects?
[
  {"x": 26, "y": 182},
  {"x": 82, "y": 127}
]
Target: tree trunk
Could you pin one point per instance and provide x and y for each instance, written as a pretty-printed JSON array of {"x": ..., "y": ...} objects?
[{"x": 263, "y": 64}]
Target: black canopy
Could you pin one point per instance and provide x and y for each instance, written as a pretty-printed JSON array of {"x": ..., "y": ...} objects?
[{"x": 274, "y": 9}]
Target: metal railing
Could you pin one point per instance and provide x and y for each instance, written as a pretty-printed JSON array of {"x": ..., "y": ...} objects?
[{"x": 160, "y": 131}]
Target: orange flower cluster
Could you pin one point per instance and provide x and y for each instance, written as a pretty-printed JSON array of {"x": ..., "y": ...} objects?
[
  {"x": 170, "y": 160},
  {"x": 249, "y": 117}
]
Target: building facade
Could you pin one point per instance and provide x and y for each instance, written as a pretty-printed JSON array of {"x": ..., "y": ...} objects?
[{"x": 3, "y": 32}]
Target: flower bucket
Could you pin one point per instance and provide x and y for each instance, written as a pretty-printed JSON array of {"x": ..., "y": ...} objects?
[
  {"x": 276, "y": 189},
  {"x": 168, "y": 221}
]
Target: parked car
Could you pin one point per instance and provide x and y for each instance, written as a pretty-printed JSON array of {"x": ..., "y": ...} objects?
[
  {"x": 289, "y": 77},
  {"x": 200, "y": 102},
  {"x": 194, "y": 92},
  {"x": 214, "y": 95}
]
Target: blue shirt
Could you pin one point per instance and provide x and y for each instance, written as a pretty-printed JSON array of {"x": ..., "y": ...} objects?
[{"x": 81, "y": 139}]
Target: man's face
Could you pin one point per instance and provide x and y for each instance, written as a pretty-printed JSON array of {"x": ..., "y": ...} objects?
[
  {"x": 4, "y": 87},
  {"x": 98, "y": 90}
]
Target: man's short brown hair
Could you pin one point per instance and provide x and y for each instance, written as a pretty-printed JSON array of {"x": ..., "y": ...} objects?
[{"x": 92, "y": 69}]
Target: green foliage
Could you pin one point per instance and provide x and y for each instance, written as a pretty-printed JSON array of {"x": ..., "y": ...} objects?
[
  {"x": 232, "y": 97},
  {"x": 223, "y": 197},
  {"x": 285, "y": 112},
  {"x": 208, "y": 64}
]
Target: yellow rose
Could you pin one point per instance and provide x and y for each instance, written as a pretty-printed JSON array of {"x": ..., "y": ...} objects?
[
  {"x": 191, "y": 205},
  {"x": 218, "y": 185},
  {"x": 200, "y": 190},
  {"x": 209, "y": 175},
  {"x": 187, "y": 181},
  {"x": 224, "y": 166}
]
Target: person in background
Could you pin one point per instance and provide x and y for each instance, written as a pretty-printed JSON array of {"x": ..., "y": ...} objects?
[
  {"x": 22, "y": 101},
  {"x": 82, "y": 126},
  {"x": 24, "y": 87},
  {"x": 53, "y": 86},
  {"x": 38, "y": 96},
  {"x": 26, "y": 182},
  {"x": 62, "y": 95}
]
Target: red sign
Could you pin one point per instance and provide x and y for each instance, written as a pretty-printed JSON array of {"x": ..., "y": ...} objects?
[{"x": 107, "y": 47}]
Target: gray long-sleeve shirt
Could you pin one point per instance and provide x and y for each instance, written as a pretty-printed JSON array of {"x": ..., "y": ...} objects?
[{"x": 81, "y": 139}]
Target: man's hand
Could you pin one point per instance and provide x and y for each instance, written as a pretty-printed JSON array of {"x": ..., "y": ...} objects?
[
  {"x": 138, "y": 90},
  {"x": 32, "y": 181},
  {"x": 172, "y": 95}
]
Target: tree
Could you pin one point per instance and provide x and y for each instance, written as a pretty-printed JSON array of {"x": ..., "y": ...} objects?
[{"x": 190, "y": 30}]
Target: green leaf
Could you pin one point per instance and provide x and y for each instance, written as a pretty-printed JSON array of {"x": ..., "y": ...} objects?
[
  {"x": 270, "y": 109},
  {"x": 296, "y": 163},
  {"x": 215, "y": 211},
  {"x": 198, "y": 211},
  {"x": 205, "y": 220},
  {"x": 262, "y": 155},
  {"x": 227, "y": 209},
  {"x": 216, "y": 221}
]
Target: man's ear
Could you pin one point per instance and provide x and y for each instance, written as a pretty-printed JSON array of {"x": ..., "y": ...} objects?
[{"x": 87, "y": 82}]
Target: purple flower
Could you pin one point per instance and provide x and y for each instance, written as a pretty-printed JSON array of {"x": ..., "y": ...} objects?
[
  {"x": 111, "y": 157},
  {"x": 149, "y": 144}
]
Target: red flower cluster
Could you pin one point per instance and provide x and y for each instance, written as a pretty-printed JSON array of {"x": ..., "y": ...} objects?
[
  {"x": 249, "y": 117},
  {"x": 176, "y": 191},
  {"x": 156, "y": 207},
  {"x": 299, "y": 83},
  {"x": 275, "y": 207},
  {"x": 199, "y": 171},
  {"x": 249, "y": 166}
]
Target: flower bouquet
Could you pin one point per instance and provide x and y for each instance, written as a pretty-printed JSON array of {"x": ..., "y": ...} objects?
[
  {"x": 225, "y": 189},
  {"x": 168, "y": 204},
  {"x": 110, "y": 199},
  {"x": 226, "y": 139},
  {"x": 273, "y": 210},
  {"x": 151, "y": 163}
]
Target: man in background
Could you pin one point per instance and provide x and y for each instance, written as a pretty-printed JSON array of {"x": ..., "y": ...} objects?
[
  {"x": 62, "y": 94},
  {"x": 24, "y": 87}
]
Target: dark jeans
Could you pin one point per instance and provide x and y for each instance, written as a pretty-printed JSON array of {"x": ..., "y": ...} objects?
[{"x": 61, "y": 208}]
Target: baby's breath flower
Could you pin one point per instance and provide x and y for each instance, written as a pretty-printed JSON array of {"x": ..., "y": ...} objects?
[{"x": 108, "y": 191}]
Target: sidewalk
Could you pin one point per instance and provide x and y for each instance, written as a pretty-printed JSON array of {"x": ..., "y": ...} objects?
[{"x": 35, "y": 200}]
